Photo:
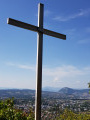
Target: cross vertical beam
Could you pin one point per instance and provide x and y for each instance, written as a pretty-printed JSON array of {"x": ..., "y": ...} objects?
[{"x": 39, "y": 64}]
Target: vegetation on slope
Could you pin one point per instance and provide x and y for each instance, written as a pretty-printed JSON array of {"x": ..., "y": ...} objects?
[
  {"x": 69, "y": 115},
  {"x": 8, "y": 112}
]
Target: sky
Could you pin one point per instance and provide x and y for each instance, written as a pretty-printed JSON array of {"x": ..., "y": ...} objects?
[{"x": 66, "y": 63}]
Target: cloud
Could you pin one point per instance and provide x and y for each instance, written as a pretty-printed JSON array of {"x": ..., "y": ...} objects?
[
  {"x": 65, "y": 75},
  {"x": 84, "y": 41},
  {"x": 66, "y": 71},
  {"x": 21, "y": 66},
  {"x": 56, "y": 72},
  {"x": 61, "y": 71},
  {"x": 26, "y": 67},
  {"x": 73, "y": 16}
]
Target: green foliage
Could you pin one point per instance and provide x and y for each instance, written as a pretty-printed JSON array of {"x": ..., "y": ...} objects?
[
  {"x": 8, "y": 112},
  {"x": 69, "y": 115}
]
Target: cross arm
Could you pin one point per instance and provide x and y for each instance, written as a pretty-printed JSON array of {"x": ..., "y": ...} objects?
[
  {"x": 22, "y": 24},
  {"x": 54, "y": 34},
  {"x": 35, "y": 28}
]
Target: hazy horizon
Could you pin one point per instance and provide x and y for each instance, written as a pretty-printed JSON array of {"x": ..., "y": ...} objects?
[{"x": 42, "y": 88}]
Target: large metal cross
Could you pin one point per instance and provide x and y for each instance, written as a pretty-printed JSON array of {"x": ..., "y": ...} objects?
[{"x": 40, "y": 30}]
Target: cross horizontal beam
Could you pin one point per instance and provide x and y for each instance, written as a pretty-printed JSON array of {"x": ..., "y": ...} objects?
[{"x": 35, "y": 28}]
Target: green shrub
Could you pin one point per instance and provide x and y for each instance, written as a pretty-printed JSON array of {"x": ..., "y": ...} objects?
[
  {"x": 69, "y": 115},
  {"x": 8, "y": 112}
]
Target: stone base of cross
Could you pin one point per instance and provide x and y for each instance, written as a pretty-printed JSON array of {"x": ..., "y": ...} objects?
[{"x": 40, "y": 31}]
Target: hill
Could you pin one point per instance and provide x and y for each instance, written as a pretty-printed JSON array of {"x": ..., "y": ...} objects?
[
  {"x": 68, "y": 91},
  {"x": 64, "y": 93}
]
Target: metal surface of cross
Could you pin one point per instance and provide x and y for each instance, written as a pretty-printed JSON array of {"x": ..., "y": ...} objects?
[{"x": 40, "y": 31}]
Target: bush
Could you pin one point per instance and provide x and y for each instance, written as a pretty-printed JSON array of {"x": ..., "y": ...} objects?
[
  {"x": 69, "y": 115},
  {"x": 8, "y": 112}
]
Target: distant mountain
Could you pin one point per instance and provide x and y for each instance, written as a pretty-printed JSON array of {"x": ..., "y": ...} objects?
[
  {"x": 67, "y": 90},
  {"x": 17, "y": 93},
  {"x": 51, "y": 89},
  {"x": 64, "y": 93}
]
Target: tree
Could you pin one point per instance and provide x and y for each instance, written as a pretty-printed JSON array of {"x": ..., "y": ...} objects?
[
  {"x": 8, "y": 112},
  {"x": 69, "y": 115}
]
